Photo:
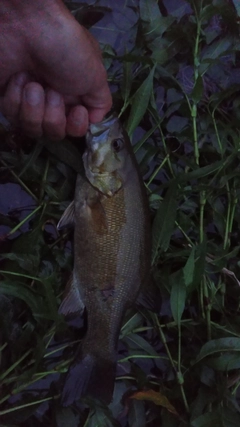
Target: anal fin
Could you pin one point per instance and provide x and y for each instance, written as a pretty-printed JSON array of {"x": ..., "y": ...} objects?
[{"x": 72, "y": 302}]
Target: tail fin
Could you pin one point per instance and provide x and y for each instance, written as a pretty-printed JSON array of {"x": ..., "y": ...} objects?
[{"x": 90, "y": 375}]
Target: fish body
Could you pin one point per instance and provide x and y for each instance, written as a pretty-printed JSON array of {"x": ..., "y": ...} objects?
[{"x": 111, "y": 255}]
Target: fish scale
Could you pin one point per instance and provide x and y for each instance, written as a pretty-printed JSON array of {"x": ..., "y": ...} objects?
[{"x": 111, "y": 255}]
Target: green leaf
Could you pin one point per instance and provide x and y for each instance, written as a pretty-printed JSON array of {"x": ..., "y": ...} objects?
[
  {"x": 213, "y": 52},
  {"x": 223, "y": 417},
  {"x": 140, "y": 101},
  {"x": 237, "y": 6},
  {"x": 19, "y": 290},
  {"x": 31, "y": 159},
  {"x": 137, "y": 414},
  {"x": 177, "y": 300},
  {"x": 201, "y": 172},
  {"x": 164, "y": 222},
  {"x": 199, "y": 268},
  {"x": 66, "y": 417},
  {"x": 27, "y": 262},
  {"x": 217, "y": 49},
  {"x": 197, "y": 91},
  {"x": 188, "y": 270},
  {"x": 136, "y": 342},
  {"x": 155, "y": 397},
  {"x": 219, "y": 345},
  {"x": 207, "y": 420},
  {"x": 100, "y": 417},
  {"x": 149, "y": 10},
  {"x": 177, "y": 124},
  {"x": 225, "y": 362},
  {"x": 130, "y": 324},
  {"x": 126, "y": 84},
  {"x": 50, "y": 297}
]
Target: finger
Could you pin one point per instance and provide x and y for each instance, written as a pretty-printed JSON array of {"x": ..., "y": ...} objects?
[
  {"x": 77, "y": 121},
  {"x": 98, "y": 103},
  {"x": 54, "y": 120},
  {"x": 13, "y": 95},
  {"x": 32, "y": 109}
]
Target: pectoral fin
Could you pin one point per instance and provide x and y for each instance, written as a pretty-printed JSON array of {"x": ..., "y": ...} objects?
[
  {"x": 68, "y": 217},
  {"x": 72, "y": 303},
  {"x": 97, "y": 214}
]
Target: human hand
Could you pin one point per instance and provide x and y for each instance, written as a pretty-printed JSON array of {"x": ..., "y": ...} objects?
[{"x": 52, "y": 79}]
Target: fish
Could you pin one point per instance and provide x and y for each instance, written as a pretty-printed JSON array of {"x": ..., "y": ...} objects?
[{"x": 112, "y": 251}]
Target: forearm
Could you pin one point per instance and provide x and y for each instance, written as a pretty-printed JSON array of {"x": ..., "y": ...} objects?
[
  {"x": 36, "y": 24},
  {"x": 26, "y": 15},
  {"x": 26, "y": 7}
]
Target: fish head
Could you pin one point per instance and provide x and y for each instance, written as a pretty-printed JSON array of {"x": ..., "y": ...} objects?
[{"x": 106, "y": 155}]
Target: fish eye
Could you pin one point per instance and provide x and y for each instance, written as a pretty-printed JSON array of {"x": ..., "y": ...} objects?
[{"x": 117, "y": 144}]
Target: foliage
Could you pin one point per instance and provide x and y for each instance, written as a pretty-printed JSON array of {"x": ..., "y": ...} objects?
[{"x": 178, "y": 77}]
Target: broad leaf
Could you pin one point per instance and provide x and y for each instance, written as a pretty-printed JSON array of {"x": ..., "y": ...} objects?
[
  {"x": 164, "y": 222},
  {"x": 155, "y": 397},
  {"x": 219, "y": 345},
  {"x": 140, "y": 102},
  {"x": 177, "y": 299}
]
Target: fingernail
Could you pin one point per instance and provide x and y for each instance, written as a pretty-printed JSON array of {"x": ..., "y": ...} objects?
[
  {"x": 53, "y": 98},
  {"x": 32, "y": 96}
]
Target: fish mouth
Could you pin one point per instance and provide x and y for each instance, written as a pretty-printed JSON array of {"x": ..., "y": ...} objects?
[
  {"x": 95, "y": 157},
  {"x": 96, "y": 129}
]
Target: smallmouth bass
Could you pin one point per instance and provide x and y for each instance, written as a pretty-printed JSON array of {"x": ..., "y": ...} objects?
[{"x": 111, "y": 255}]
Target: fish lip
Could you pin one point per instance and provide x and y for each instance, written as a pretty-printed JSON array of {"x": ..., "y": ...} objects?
[
  {"x": 96, "y": 129},
  {"x": 99, "y": 131}
]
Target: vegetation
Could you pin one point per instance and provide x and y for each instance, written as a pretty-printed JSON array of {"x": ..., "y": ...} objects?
[{"x": 176, "y": 88}]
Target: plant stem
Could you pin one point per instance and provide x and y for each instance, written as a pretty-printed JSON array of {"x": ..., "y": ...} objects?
[
  {"x": 196, "y": 76},
  {"x": 226, "y": 234},
  {"x": 12, "y": 273},
  {"x": 166, "y": 150},
  {"x": 162, "y": 336},
  {"x": 234, "y": 204},
  {"x": 185, "y": 235},
  {"x": 202, "y": 205},
  {"x": 15, "y": 408},
  {"x": 216, "y": 131},
  {"x": 207, "y": 307},
  {"x": 195, "y": 137},
  {"x": 12, "y": 367},
  {"x": 157, "y": 170},
  {"x": 180, "y": 377},
  {"x": 24, "y": 220},
  {"x": 20, "y": 181},
  {"x": 44, "y": 179}
]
